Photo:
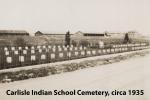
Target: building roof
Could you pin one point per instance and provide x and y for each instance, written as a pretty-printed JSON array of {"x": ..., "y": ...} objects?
[
  {"x": 14, "y": 32},
  {"x": 90, "y": 34},
  {"x": 93, "y": 33}
]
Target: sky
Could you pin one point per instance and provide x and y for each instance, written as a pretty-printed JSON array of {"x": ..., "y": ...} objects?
[{"x": 74, "y": 15}]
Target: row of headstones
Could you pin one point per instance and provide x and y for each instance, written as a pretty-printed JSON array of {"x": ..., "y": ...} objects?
[
  {"x": 33, "y": 51},
  {"x": 54, "y": 48},
  {"x": 69, "y": 54},
  {"x": 139, "y": 48},
  {"x": 129, "y": 45},
  {"x": 16, "y": 52},
  {"x": 37, "y": 47},
  {"x": 63, "y": 46}
]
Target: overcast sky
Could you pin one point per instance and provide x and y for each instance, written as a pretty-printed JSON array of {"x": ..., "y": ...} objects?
[{"x": 74, "y": 15}]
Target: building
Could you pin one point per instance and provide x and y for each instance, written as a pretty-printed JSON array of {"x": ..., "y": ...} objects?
[
  {"x": 13, "y": 33},
  {"x": 131, "y": 34},
  {"x": 79, "y": 33},
  {"x": 39, "y": 33},
  {"x": 52, "y": 38}
]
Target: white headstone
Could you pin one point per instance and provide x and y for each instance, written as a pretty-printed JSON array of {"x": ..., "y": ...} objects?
[
  {"x": 26, "y": 48},
  {"x": 38, "y": 46},
  {"x": 6, "y": 53},
  {"x": 47, "y": 50},
  {"x": 59, "y": 49},
  {"x": 108, "y": 50},
  {"x": 33, "y": 58},
  {"x": 21, "y": 58},
  {"x": 54, "y": 49},
  {"x": 120, "y": 49},
  {"x": 112, "y": 50},
  {"x": 49, "y": 46},
  {"x": 54, "y": 46},
  {"x": 61, "y": 55},
  {"x": 63, "y": 46},
  {"x": 104, "y": 51},
  {"x": 24, "y": 51},
  {"x": 19, "y": 48},
  {"x": 5, "y": 48},
  {"x": 84, "y": 48},
  {"x": 117, "y": 49},
  {"x": 76, "y": 48},
  {"x": 89, "y": 52},
  {"x": 80, "y": 47},
  {"x": 99, "y": 51},
  {"x": 12, "y": 48},
  {"x": 40, "y": 50},
  {"x": 43, "y": 56},
  {"x": 9, "y": 59},
  {"x": 65, "y": 49},
  {"x": 58, "y": 46},
  {"x": 76, "y": 53},
  {"x": 93, "y": 52},
  {"x": 32, "y": 51},
  {"x": 52, "y": 56},
  {"x": 16, "y": 52},
  {"x": 82, "y": 53},
  {"x": 32, "y": 47},
  {"x": 44, "y": 46},
  {"x": 70, "y": 48},
  {"x": 69, "y": 54},
  {"x": 114, "y": 46}
]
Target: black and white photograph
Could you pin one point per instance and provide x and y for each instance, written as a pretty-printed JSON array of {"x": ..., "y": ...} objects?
[{"x": 74, "y": 49}]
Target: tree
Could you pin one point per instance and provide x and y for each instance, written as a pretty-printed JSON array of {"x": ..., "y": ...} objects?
[
  {"x": 84, "y": 43},
  {"x": 126, "y": 38},
  {"x": 74, "y": 43},
  {"x": 20, "y": 42},
  {"x": 67, "y": 38}
]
